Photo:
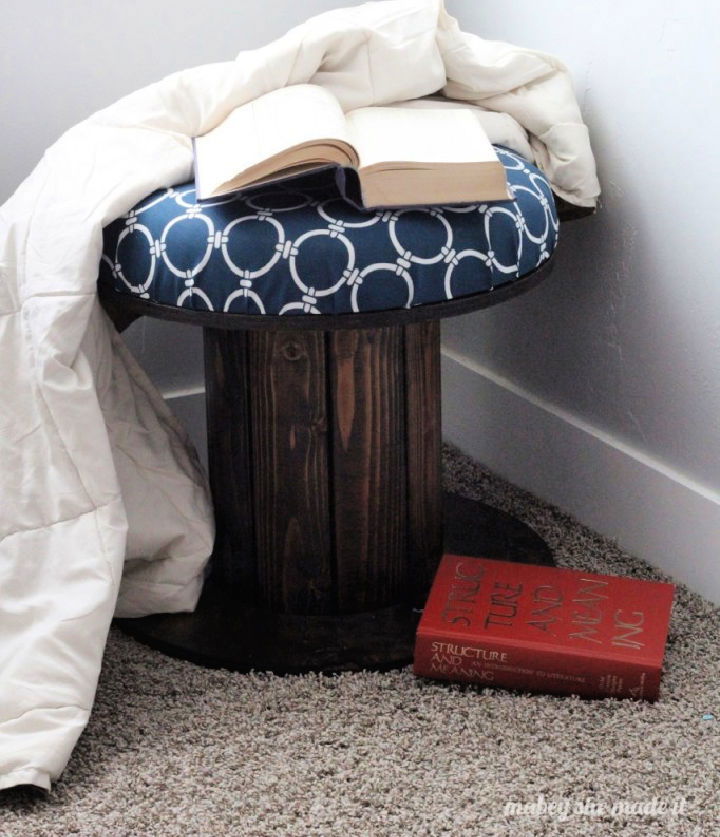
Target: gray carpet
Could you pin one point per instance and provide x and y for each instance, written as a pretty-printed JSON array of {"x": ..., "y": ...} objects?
[{"x": 174, "y": 749}]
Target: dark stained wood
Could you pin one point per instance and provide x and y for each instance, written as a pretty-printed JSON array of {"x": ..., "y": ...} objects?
[
  {"x": 324, "y": 446},
  {"x": 113, "y": 302},
  {"x": 290, "y": 471},
  {"x": 120, "y": 315},
  {"x": 369, "y": 476},
  {"x": 229, "y": 459},
  {"x": 570, "y": 212},
  {"x": 473, "y": 528},
  {"x": 219, "y": 634},
  {"x": 422, "y": 388}
]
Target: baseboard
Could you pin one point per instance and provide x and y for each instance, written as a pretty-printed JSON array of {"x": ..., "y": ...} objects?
[{"x": 649, "y": 509}]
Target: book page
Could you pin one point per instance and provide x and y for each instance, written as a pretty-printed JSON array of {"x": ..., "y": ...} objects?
[
  {"x": 501, "y": 128},
  {"x": 263, "y": 128},
  {"x": 418, "y": 135}
]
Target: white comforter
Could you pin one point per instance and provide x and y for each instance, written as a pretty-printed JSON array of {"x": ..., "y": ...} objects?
[{"x": 104, "y": 508}]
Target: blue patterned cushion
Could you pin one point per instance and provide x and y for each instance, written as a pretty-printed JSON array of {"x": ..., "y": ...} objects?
[{"x": 306, "y": 250}]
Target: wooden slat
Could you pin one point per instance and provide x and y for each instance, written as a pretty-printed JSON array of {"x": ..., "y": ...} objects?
[
  {"x": 370, "y": 516},
  {"x": 228, "y": 428},
  {"x": 425, "y": 514},
  {"x": 290, "y": 470}
]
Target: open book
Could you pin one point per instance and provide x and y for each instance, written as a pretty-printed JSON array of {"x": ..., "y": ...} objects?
[{"x": 403, "y": 156}]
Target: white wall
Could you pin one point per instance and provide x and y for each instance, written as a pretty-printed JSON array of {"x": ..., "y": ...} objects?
[
  {"x": 600, "y": 390},
  {"x": 61, "y": 61}
]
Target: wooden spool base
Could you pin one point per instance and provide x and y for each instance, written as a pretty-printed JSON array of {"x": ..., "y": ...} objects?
[
  {"x": 324, "y": 444},
  {"x": 222, "y": 633}
]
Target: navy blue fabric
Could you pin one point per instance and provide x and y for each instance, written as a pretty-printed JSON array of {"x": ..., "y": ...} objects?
[{"x": 306, "y": 250}]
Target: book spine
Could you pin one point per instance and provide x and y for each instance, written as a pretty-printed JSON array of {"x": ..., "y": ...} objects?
[{"x": 528, "y": 669}]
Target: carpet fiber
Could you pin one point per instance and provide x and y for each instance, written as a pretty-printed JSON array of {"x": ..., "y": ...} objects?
[{"x": 174, "y": 749}]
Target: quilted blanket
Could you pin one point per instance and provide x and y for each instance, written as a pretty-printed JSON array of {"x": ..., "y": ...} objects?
[{"x": 104, "y": 506}]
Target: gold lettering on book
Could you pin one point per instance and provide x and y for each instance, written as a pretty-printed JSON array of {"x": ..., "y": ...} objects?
[
  {"x": 549, "y": 596},
  {"x": 472, "y": 651},
  {"x": 631, "y": 629},
  {"x": 588, "y": 611},
  {"x": 503, "y": 604},
  {"x": 463, "y": 593}
]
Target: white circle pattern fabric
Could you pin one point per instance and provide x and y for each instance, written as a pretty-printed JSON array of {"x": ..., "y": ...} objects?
[{"x": 303, "y": 249}]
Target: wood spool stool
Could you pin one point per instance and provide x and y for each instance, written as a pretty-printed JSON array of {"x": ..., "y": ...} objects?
[
  {"x": 324, "y": 455},
  {"x": 324, "y": 428}
]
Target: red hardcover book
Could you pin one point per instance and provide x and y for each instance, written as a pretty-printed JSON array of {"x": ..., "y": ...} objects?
[{"x": 548, "y": 629}]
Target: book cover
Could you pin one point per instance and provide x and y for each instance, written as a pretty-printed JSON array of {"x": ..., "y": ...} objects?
[{"x": 550, "y": 629}]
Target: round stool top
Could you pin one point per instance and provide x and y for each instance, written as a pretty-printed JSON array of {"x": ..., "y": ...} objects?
[{"x": 279, "y": 253}]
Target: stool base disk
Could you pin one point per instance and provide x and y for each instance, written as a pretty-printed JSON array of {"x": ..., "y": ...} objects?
[{"x": 223, "y": 632}]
